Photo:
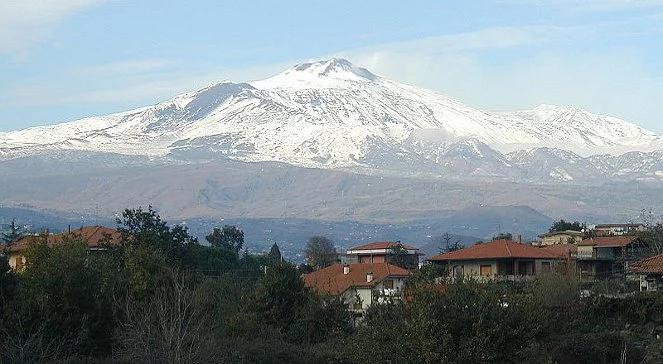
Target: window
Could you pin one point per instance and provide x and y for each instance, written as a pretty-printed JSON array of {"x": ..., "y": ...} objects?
[
  {"x": 545, "y": 267},
  {"x": 388, "y": 283},
  {"x": 486, "y": 270},
  {"x": 19, "y": 263}
]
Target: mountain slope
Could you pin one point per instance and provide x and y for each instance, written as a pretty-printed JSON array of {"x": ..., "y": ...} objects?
[{"x": 333, "y": 114}]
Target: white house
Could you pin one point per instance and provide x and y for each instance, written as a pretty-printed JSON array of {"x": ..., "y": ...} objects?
[{"x": 359, "y": 284}]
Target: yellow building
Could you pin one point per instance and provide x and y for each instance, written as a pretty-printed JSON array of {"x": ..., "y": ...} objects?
[{"x": 561, "y": 237}]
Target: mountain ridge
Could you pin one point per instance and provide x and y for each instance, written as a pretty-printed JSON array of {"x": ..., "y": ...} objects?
[{"x": 334, "y": 115}]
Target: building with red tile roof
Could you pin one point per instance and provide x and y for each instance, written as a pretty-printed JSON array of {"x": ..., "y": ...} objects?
[
  {"x": 359, "y": 284},
  {"x": 96, "y": 237},
  {"x": 650, "y": 271},
  {"x": 608, "y": 241},
  {"x": 567, "y": 251},
  {"x": 384, "y": 252},
  {"x": 651, "y": 265},
  {"x": 498, "y": 259},
  {"x": 606, "y": 256},
  {"x": 383, "y": 245}
]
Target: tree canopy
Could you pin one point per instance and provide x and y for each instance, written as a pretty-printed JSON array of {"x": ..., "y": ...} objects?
[
  {"x": 14, "y": 233},
  {"x": 320, "y": 252},
  {"x": 228, "y": 237},
  {"x": 563, "y": 225}
]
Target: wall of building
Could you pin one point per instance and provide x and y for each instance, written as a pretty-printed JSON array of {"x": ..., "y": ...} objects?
[
  {"x": 473, "y": 268},
  {"x": 560, "y": 239},
  {"x": 585, "y": 251},
  {"x": 372, "y": 259},
  {"x": 366, "y": 296},
  {"x": 16, "y": 261}
]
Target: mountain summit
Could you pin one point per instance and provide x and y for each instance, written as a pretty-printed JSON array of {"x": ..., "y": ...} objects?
[
  {"x": 335, "y": 72},
  {"x": 333, "y": 114}
]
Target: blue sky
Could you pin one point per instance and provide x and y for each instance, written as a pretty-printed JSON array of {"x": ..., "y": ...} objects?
[{"x": 65, "y": 59}]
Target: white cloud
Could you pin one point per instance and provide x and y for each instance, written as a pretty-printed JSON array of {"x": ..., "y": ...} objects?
[
  {"x": 537, "y": 67},
  {"x": 484, "y": 39},
  {"x": 24, "y": 23}
]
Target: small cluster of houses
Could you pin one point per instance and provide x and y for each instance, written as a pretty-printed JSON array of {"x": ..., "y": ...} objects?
[
  {"x": 378, "y": 271},
  {"x": 367, "y": 274}
]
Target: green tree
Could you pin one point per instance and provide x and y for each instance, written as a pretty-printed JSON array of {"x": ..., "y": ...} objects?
[
  {"x": 400, "y": 257},
  {"x": 503, "y": 236},
  {"x": 228, "y": 237},
  {"x": 563, "y": 225},
  {"x": 281, "y": 295},
  {"x": 15, "y": 232},
  {"x": 8, "y": 282},
  {"x": 61, "y": 308},
  {"x": 275, "y": 253},
  {"x": 448, "y": 243},
  {"x": 320, "y": 252},
  {"x": 146, "y": 228}
]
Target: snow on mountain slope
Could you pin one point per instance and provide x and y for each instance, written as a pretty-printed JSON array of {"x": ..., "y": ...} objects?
[
  {"x": 585, "y": 132},
  {"x": 333, "y": 114}
]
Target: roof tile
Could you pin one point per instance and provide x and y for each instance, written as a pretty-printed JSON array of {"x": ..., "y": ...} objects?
[
  {"x": 496, "y": 249},
  {"x": 331, "y": 280}
]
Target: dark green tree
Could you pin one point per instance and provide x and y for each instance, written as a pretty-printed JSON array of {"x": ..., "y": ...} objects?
[
  {"x": 503, "y": 236},
  {"x": 275, "y": 253},
  {"x": 228, "y": 237},
  {"x": 15, "y": 232},
  {"x": 400, "y": 257},
  {"x": 320, "y": 252},
  {"x": 281, "y": 295},
  {"x": 146, "y": 228},
  {"x": 8, "y": 281},
  {"x": 563, "y": 225}
]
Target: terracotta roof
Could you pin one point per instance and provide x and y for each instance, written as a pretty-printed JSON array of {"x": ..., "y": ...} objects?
[
  {"x": 383, "y": 245},
  {"x": 496, "y": 249},
  {"x": 331, "y": 280},
  {"x": 650, "y": 265},
  {"x": 609, "y": 241},
  {"x": 93, "y": 235},
  {"x": 561, "y": 250}
]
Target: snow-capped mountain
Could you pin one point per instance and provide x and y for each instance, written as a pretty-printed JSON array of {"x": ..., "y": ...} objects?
[{"x": 333, "y": 114}]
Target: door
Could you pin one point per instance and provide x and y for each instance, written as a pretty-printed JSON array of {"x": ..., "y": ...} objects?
[{"x": 486, "y": 270}]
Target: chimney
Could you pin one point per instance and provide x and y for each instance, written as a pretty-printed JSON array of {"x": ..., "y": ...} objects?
[
  {"x": 369, "y": 277},
  {"x": 520, "y": 239},
  {"x": 346, "y": 269}
]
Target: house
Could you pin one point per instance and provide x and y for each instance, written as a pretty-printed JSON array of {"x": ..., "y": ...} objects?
[
  {"x": 618, "y": 229},
  {"x": 395, "y": 253},
  {"x": 359, "y": 284},
  {"x": 606, "y": 256},
  {"x": 95, "y": 236},
  {"x": 650, "y": 271},
  {"x": 561, "y": 237},
  {"x": 498, "y": 259}
]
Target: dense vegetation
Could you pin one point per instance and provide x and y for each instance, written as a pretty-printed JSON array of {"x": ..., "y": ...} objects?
[
  {"x": 162, "y": 297},
  {"x": 562, "y": 225}
]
